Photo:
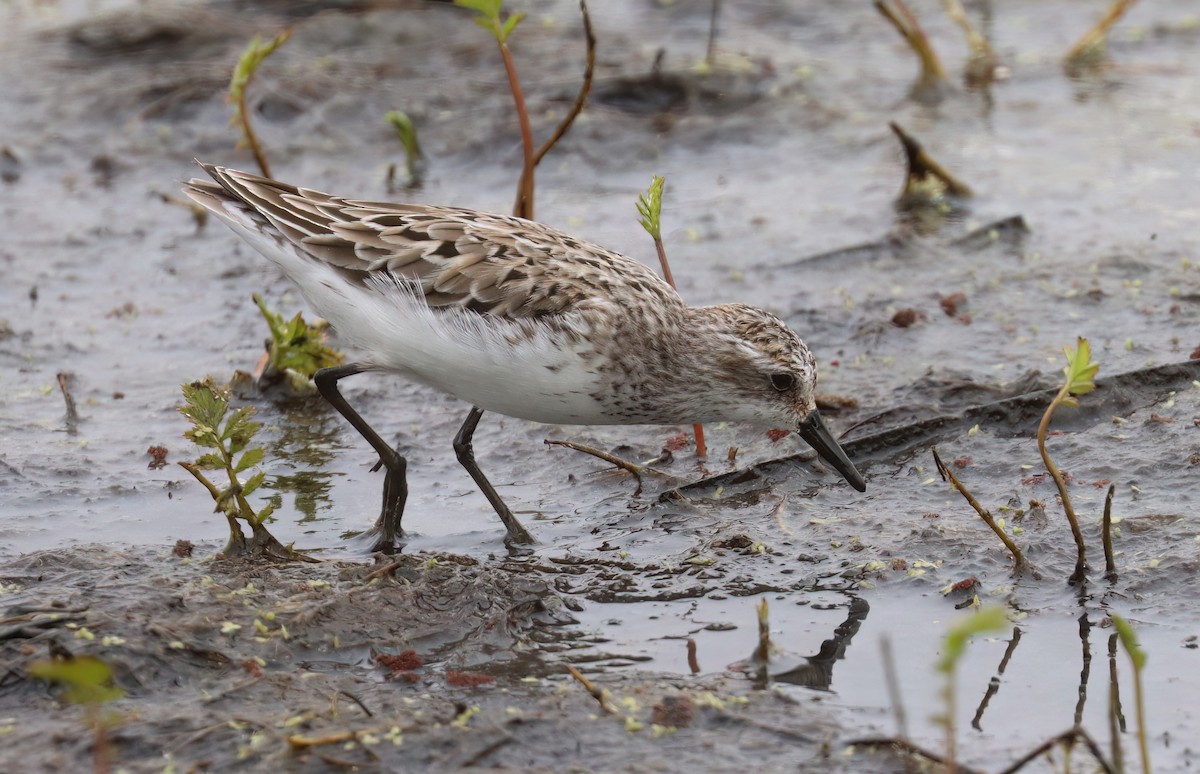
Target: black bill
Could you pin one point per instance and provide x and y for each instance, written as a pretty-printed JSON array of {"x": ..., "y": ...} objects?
[{"x": 816, "y": 434}]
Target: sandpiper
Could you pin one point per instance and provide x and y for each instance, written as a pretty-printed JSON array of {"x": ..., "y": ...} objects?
[{"x": 518, "y": 318}]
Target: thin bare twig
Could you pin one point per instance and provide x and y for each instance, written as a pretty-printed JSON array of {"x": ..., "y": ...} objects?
[
  {"x": 1110, "y": 559},
  {"x": 1019, "y": 562},
  {"x": 584, "y": 90},
  {"x": 1072, "y": 735},
  {"x": 933, "y": 75},
  {"x": 892, "y": 681},
  {"x": 903, "y": 745},
  {"x": 596, "y": 693},
  {"x": 623, "y": 464},
  {"x": 981, "y": 64},
  {"x": 64, "y": 385},
  {"x": 1086, "y": 49}
]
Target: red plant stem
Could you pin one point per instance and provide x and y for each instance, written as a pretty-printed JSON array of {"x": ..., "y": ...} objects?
[
  {"x": 523, "y": 207},
  {"x": 1080, "y": 573},
  {"x": 697, "y": 429}
]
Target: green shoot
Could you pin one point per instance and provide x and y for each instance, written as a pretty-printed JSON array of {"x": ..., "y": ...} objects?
[
  {"x": 1081, "y": 373},
  {"x": 296, "y": 349},
  {"x": 406, "y": 132},
  {"x": 649, "y": 206},
  {"x": 228, "y": 433},
  {"x": 488, "y": 17},
  {"x": 1137, "y": 657},
  {"x": 954, "y": 645},
  {"x": 253, "y": 56}
]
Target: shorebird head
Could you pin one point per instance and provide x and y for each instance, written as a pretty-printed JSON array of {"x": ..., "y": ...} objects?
[{"x": 776, "y": 379}]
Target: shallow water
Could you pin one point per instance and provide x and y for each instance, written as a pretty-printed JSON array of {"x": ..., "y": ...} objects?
[{"x": 780, "y": 158}]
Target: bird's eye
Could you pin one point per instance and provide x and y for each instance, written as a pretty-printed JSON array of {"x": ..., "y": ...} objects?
[{"x": 782, "y": 380}]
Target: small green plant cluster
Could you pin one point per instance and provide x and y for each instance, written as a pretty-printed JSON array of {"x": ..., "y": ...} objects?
[
  {"x": 296, "y": 349},
  {"x": 228, "y": 434}
]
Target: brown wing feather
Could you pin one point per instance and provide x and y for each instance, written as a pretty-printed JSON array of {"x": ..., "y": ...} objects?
[{"x": 491, "y": 264}]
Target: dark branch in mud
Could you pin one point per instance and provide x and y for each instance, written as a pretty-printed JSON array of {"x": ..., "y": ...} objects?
[
  {"x": 932, "y": 80},
  {"x": 596, "y": 693},
  {"x": 1069, "y": 737},
  {"x": 1019, "y": 562},
  {"x": 1110, "y": 560},
  {"x": 64, "y": 386},
  {"x": 905, "y": 746},
  {"x": 584, "y": 90}
]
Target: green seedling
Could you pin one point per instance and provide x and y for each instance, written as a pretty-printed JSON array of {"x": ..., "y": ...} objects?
[
  {"x": 1137, "y": 657},
  {"x": 414, "y": 160},
  {"x": 296, "y": 349},
  {"x": 252, "y": 57},
  {"x": 488, "y": 16},
  {"x": 228, "y": 433},
  {"x": 88, "y": 681},
  {"x": 986, "y": 621},
  {"x": 1081, "y": 374},
  {"x": 649, "y": 206}
]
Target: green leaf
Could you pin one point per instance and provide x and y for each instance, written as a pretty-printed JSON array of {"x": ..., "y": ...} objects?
[
  {"x": 253, "y": 483},
  {"x": 1129, "y": 641},
  {"x": 484, "y": 7},
  {"x": 649, "y": 206},
  {"x": 251, "y": 457},
  {"x": 1080, "y": 370},
  {"x": 211, "y": 461},
  {"x": 203, "y": 405},
  {"x": 510, "y": 24},
  {"x": 86, "y": 679},
  {"x": 252, "y": 56},
  {"x": 264, "y": 513},
  {"x": 203, "y": 436},
  {"x": 986, "y": 621}
]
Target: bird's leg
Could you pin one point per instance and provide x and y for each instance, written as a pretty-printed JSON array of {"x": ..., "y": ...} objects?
[
  {"x": 466, "y": 456},
  {"x": 395, "y": 485}
]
